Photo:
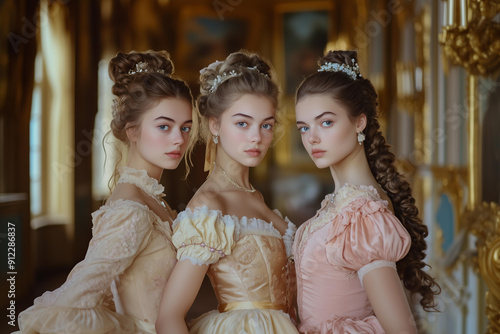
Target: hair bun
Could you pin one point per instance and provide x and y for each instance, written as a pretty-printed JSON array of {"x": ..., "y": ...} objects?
[
  {"x": 236, "y": 63},
  {"x": 339, "y": 57},
  {"x": 247, "y": 59},
  {"x": 123, "y": 63}
]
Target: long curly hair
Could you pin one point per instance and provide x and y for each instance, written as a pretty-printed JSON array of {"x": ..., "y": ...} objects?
[{"x": 359, "y": 97}]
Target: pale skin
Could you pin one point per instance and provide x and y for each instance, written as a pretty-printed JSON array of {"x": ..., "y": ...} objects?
[
  {"x": 330, "y": 138},
  {"x": 157, "y": 142},
  {"x": 245, "y": 133}
]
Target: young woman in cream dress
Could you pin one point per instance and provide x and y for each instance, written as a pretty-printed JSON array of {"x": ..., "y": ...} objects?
[
  {"x": 117, "y": 287},
  {"x": 227, "y": 230}
]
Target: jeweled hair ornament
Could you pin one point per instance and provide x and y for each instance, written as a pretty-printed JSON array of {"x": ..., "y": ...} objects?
[
  {"x": 220, "y": 78},
  {"x": 142, "y": 67},
  {"x": 352, "y": 71}
]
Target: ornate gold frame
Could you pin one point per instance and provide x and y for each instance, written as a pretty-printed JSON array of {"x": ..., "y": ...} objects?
[{"x": 470, "y": 40}]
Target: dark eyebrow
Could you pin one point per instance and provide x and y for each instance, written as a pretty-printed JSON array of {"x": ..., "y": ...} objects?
[
  {"x": 171, "y": 120},
  {"x": 323, "y": 114},
  {"x": 242, "y": 115},
  {"x": 247, "y": 116},
  {"x": 319, "y": 116},
  {"x": 165, "y": 118}
]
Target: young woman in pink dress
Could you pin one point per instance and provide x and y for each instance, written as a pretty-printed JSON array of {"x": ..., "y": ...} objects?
[
  {"x": 365, "y": 245},
  {"x": 117, "y": 287}
]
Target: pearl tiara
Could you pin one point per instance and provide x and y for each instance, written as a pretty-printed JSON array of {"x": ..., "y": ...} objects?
[
  {"x": 142, "y": 67},
  {"x": 220, "y": 78},
  {"x": 352, "y": 71}
]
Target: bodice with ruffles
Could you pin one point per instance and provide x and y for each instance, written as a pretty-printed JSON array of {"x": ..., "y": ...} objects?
[
  {"x": 351, "y": 234},
  {"x": 118, "y": 286},
  {"x": 250, "y": 270}
]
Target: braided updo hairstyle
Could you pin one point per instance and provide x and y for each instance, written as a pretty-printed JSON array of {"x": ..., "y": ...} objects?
[
  {"x": 141, "y": 81},
  {"x": 359, "y": 97},
  {"x": 254, "y": 76}
]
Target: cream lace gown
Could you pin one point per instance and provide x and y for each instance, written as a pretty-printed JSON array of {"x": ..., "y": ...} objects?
[
  {"x": 249, "y": 269},
  {"x": 117, "y": 287}
]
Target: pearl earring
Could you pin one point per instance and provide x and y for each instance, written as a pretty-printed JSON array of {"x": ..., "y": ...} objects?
[{"x": 361, "y": 138}]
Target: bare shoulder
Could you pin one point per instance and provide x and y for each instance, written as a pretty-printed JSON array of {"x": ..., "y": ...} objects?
[
  {"x": 127, "y": 191},
  {"x": 209, "y": 197}
]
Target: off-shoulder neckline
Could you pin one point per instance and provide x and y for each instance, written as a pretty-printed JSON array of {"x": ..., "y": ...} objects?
[{"x": 290, "y": 230}]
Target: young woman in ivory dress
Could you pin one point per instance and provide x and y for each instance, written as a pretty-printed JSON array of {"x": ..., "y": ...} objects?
[
  {"x": 366, "y": 238},
  {"x": 227, "y": 230},
  {"x": 118, "y": 286}
]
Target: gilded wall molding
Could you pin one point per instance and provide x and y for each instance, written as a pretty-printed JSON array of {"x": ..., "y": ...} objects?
[
  {"x": 484, "y": 223},
  {"x": 470, "y": 39}
]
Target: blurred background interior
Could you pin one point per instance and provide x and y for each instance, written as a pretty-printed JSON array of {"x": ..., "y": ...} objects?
[{"x": 434, "y": 64}]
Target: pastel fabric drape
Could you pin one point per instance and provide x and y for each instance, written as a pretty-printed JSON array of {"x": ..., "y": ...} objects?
[
  {"x": 249, "y": 269},
  {"x": 350, "y": 235},
  {"x": 118, "y": 286}
]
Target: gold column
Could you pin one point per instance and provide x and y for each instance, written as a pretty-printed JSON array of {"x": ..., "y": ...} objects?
[{"x": 474, "y": 147}]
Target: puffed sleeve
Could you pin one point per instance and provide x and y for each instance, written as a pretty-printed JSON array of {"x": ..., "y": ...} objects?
[
  {"x": 203, "y": 236},
  {"x": 83, "y": 303},
  {"x": 366, "y": 235}
]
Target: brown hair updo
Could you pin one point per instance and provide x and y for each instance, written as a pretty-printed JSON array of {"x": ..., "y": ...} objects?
[
  {"x": 359, "y": 97},
  {"x": 254, "y": 76},
  {"x": 141, "y": 91},
  {"x": 141, "y": 81}
]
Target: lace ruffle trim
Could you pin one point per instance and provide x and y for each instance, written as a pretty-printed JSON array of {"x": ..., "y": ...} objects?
[
  {"x": 141, "y": 179},
  {"x": 372, "y": 266},
  {"x": 243, "y": 226}
]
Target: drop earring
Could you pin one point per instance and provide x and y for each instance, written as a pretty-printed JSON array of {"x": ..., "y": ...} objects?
[
  {"x": 215, "y": 139},
  {"x": 361, "y": 138}
]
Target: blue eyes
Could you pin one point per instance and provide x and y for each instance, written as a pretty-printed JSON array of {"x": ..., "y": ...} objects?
[
  {"x": 245, "y": 124},
  {"x": 166, "y": 128},
  {"x": 325, "y": 124}
]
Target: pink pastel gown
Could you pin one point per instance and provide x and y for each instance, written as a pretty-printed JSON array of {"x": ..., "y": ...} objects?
[
  {"x": 352, "y": 233},
  {"x": 118, "y": 286}
]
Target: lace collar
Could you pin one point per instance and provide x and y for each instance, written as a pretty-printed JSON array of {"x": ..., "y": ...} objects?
[
  {"x": 141, "y": 179},
  {"x": 349, "y": 190}
]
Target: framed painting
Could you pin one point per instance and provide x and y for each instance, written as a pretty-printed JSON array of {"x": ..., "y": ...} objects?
[
  {"x": 204, "y": 37},
  {"x": 301, "y": 33}
]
